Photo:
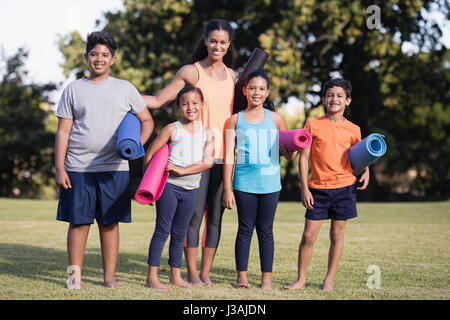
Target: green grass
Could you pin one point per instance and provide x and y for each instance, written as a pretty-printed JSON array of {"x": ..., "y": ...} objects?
[{"x": 408, "y": 241}]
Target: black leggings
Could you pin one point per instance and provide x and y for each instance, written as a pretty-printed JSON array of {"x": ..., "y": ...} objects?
[
  {"x": 210, "y": 194},
  {"x": 255, "y": 211}
]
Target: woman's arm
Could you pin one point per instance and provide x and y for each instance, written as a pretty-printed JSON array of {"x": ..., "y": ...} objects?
[{"x": 187, "y": 75}]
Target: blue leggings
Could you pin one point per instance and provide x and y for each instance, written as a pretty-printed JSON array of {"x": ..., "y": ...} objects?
[
  {"x": 255, "y": 210},
  {"x": 174, "y": 210}
]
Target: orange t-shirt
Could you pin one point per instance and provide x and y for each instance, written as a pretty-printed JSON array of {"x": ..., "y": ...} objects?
[
  {"x": 330, "y": 165},
  {"x": 218, "y": 105}
]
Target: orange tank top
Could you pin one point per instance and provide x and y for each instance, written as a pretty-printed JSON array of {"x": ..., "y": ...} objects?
[{"x": 218, "y": 105}]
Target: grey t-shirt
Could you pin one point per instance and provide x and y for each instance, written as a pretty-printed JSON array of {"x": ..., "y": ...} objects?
[{"x": 97, "y": 109}]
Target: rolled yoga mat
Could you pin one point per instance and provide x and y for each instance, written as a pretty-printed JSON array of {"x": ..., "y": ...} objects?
[
  {"x": 155, "y": 178},
  {"x": 256, "y": 61},
  {"x": 295, "y": 139},
  {"x": 129, "y": 146},
  {"x": 366, "y": 152}
]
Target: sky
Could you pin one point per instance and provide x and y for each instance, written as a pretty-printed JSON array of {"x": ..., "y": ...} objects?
[{"x": 36, "y": 24}]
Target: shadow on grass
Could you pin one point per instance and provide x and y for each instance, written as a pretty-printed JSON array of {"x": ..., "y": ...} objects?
[{"x": 50, "y": 265}]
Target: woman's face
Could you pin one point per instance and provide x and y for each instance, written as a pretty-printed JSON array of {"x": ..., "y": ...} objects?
[{"x": 217, "y": 44}]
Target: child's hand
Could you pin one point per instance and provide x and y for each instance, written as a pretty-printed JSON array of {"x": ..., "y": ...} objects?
[
  {"x": 179, "y": 171},
  {"x": 307, "y": 199},
  {"x": 289, "y": 155},
  {"x": 364, "y": 179},
  {"x": 228, "y": 200},
  {"x": 62, "y": 179},
  {"x": 284, "y": 152}
]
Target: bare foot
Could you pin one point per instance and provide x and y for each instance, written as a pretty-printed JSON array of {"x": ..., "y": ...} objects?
[
  {"x": 155, "y": 284},
  {"x": 74, "y": 285},
  {"x": 299, "y": 284},
  {"x": 266, "y": 286},
  {"x": 179, "y": 282},
  {"x": 266, "y": 281},
  {"x": 195, "y": 281},
  {"x": 74, "y": 281},
  {"x": 243, "y": 284},
  {"x": 206, "y": 280},
  {"x": 111, "y": 284},
  {"x": 327, "y": 286}
]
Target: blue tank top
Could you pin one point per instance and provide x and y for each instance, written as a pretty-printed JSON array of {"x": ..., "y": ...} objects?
[{"x": 257, "y": 165}]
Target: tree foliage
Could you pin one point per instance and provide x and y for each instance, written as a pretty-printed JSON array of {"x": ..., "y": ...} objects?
[
  {"x": 26, "y": 146},
  {"x": 401, "y": 94}
]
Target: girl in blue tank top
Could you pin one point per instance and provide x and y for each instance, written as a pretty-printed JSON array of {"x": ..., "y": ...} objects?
[{"x": 253, "y": 133}]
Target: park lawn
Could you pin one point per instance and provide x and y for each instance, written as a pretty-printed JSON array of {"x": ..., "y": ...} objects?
[{"x": 408, "y": 242}]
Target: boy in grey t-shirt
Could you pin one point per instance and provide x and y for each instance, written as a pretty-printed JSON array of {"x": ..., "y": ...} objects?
[{"x": 94, "y": 180}]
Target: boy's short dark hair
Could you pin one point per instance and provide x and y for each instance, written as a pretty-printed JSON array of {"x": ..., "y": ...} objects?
[
  {"x": 338, "y": 82},
  {"x": 101, "y": 37}
]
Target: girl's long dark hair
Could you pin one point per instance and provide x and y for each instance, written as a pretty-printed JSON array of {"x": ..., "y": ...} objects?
[
  {"x": 200, "y": 52},
  {"x": 268, "y": 104}
]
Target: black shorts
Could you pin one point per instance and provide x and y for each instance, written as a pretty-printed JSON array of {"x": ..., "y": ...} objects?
[
  {"x": 335, "y": 204},
  {"x": 104, "y": 196}
]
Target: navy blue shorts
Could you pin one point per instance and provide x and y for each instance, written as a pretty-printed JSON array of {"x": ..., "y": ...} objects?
[
  {"x": 335, "y": 204},
  {"x": 104, "y": 196}
]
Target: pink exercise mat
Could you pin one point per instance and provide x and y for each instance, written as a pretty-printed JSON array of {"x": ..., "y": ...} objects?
[
  {"x": 295, "y": 139},
  {"x": 155, "y": 177}
]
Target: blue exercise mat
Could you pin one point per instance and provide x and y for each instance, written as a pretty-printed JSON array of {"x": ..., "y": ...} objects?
[
  {"x": 366, "y": 152},
  {"x": 129, "y": 145}
]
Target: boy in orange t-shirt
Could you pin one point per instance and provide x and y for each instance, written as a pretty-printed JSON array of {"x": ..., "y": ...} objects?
[{"x": 330, "y": 193}]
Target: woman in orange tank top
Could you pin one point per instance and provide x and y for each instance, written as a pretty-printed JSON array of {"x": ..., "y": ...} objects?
[{"x": 210, "y": 70}]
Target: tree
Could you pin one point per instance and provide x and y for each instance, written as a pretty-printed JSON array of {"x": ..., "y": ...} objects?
[
  {"x": 416, "y": 120},
  {"x": 308, "y": 41},
  {"x": 315, "y": 40},
  {"x": 26, "y": 146}
]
